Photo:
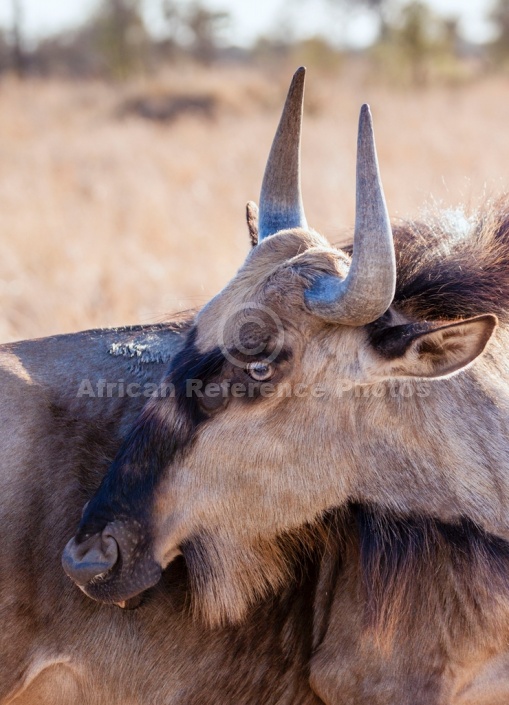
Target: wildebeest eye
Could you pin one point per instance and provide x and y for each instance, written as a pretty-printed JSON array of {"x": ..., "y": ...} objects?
[{"x": 260, "y": 371}]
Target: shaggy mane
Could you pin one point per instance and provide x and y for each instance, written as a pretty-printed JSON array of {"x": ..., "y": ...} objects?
[{"x": 455, "y": 267}]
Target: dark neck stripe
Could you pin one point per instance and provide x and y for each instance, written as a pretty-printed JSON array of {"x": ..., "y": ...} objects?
[{"x": 395, "y": 551}]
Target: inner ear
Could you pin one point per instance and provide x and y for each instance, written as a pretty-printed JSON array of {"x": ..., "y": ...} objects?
[
  {"x": 425, "y": 350},
  {"x": 252, "y": 222}
]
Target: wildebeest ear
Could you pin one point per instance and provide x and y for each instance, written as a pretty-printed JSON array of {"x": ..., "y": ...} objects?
[
  {"x": 252, "y": 222},
  {"x": 425, "y": 350}
]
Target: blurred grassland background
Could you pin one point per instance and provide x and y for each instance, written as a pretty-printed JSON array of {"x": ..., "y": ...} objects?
[{"x": 126, "y": 159}]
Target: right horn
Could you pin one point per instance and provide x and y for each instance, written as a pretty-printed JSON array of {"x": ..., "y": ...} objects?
[{"x": 368, "y": 290}]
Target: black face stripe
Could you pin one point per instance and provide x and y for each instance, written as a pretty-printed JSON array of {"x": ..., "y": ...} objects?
[
  {"x": 151, "y": 445},
  {"x": 190, "y": 364}
]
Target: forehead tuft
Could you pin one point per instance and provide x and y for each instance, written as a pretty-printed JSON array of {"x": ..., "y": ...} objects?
[
  {"x": 286, "y": 245},
  {"x": 271, "y": 282}
]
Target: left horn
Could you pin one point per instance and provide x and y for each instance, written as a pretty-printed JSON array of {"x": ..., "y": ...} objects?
[
  {"x": 369, "y": 288},
  {"x": 280, "y": 199}
]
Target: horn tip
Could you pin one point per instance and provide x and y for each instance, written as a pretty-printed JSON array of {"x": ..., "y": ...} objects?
[
  {"x": 366, "y": 115},
  {"x": 298, "y": 78},
  {"x": 365, "y": 123}
]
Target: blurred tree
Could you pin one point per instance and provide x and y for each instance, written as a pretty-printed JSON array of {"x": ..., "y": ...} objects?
[
  {"x": 500, "y": 16},
  {"x": 70, "y": 54},
  {"x": 173, "y": 14},
  {"x": 195, "y": 29},
  {"x": 415, "y": 36},
  {"x": 5, "y": 52},
  {"x": 419, "y": 46},
  {"x": 18, "y": 54},
  {"x": 118, "y": 33},
  {"x": 112, "y": 43},
  {"x": 206, "y": 27}
]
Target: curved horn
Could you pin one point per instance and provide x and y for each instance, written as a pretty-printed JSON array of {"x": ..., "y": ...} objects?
[
  {"x": 369, "y": 288},
  {"x": 280, "y": 199}
]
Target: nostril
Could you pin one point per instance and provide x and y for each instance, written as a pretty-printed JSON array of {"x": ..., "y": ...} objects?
[{"x": 91, "y": 558}]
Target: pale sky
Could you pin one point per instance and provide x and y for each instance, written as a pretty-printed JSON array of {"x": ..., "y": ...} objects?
[{"x": 252, "y": 17}]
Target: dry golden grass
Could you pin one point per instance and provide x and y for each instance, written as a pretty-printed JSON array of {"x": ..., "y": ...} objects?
[{"x": 108, "y": 222}]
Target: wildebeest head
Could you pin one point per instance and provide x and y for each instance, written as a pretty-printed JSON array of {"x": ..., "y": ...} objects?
[{"x": 274, "y": 412}]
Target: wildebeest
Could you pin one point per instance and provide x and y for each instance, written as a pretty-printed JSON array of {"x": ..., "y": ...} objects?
[
  {"x": 342, "y": 405},
  {"x": 346, "y": 541}
]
